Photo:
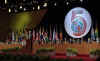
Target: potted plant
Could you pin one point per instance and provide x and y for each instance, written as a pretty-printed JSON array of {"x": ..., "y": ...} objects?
[
  {"x": 46, "y": 51},
  {"x": 92, "y": 53},
  {"x": 97, "y": 53},
  {"x": 74, "y": 52},
  {"x": 69, "y": 52}
]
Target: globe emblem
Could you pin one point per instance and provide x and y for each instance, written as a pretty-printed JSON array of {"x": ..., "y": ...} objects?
[
  {"x": 77, "y": 22},
  {"x": 78, "y": 26}
]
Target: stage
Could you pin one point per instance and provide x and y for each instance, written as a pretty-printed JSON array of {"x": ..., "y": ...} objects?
[{"x": 83, "y": 47}]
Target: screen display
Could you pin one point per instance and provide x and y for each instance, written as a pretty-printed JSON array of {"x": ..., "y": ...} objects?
[{"x": 77, "y": 22}]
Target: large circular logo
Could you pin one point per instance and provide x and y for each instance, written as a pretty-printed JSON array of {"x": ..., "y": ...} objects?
[{"x": 77, "y": 22}]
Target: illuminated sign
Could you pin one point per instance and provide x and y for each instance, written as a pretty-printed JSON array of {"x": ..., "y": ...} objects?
[{"x": 77, "y": 22}]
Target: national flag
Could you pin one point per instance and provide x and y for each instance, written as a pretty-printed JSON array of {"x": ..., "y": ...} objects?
[
  {"x": 89, "y": 40},
  {"x": 29, "y": 35},
  {"x": 20, "y": 36},
  {"x": 33, "y": 35},
  {"x": 16, "y": 36},
  {"x": 50, "y": 35},
  {"x": 96, "y": 34},
  {"x": 54, "y": 34},
  {"x": 26, "y": 34},
  {"x": 46, "y": 37},
  {"x": 61, "y": 36},
  {"x": 43, "y": 34},
  {"x": 92, "y": 34},
  {"x": 37, "y": 36},
  {"x": 40, "y": 32},
  {"x": 13, "y": 37}
]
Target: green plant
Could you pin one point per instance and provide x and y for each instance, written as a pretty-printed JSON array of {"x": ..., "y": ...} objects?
[
  {"x": 10, "y": 49},
  {"x": 98, "y": 52},
  {"x": 44, "y": 51},
  {"x": 93, "y": 51},
  {"x": 74, "y": 51},
  {"x": 69, "y": 49}
]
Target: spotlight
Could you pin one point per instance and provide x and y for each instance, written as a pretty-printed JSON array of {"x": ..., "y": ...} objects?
[
  {"x": 45, "y": 5},
  {"x": 55, "y": 4},
  {"x": 24, "y": 9},
  {"x": 9, "y": 10},
  {"x": 67, "y": 3},
  {"x": 20, "y": 7},
  {"x": 5, "y": 1},
  {"x": 38, "y": 7},
  {"x": 81, "y": 0},
  {"x": 15, "y": 10},
  {"x": 33, "y": 8}
]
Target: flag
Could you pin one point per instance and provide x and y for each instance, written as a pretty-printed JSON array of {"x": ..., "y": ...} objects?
[
  {"x": 92, "y": 34},
  {"x": 46, "y": 37},
  {"x": 20, "y": 36},
  {"x": 43, "y": 34},
  {"x": 16, "y": 36},
  {"x": 26, "y": 34},
  {"x": 13, "y": 37},
  {"x": 54, "y": 34},
  {"x": 50, "y": 35},
  {"x": 96, "y": 34},
  {"x": 61, "y": 36},
  {"x": 40, "y": 32},
  {"x": 37, "y": 36},
  {"x": 89, "y": 40},
  {"x": 29, "y": 35},
  {"x": 33, "y": 35}
]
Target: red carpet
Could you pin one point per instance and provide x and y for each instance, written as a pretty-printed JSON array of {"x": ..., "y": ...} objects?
[{"x": 80, "y": 56}]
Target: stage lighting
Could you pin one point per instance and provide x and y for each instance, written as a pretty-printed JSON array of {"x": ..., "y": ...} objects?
[
  {"x": 9, "y": 10},
  {"x": 38, "y": 7},
  {"x": 33, "y": 8},
  {"x": 20, "y": 7},
  {"x": 15, "y": 10},
  {"x": 55, "y": 4},
  {"x": 24, "y": 9},
  {"x": 5, "y": 1},
  {"x": 81, "y": 0},
  {"x": 45, "y": 5},
  {"x": 67, "y": 3}
]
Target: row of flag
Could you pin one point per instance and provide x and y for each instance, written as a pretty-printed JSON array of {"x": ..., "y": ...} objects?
[
  {"x": 47, "y": 36},
  {"x": 39, "y": 34},
  {"x": 52, "y": 34}
]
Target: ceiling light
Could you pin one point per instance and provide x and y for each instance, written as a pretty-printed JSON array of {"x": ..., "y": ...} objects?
[
  {"x": 45, "y": 5},
  {"x": 5, "y": 1},
  {"x": 9, "y": 10},
  {"x": 38, "y": 7}
]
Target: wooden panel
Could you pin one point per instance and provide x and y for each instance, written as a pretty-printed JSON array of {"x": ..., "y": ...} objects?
[{"x": 83, "y": 48}]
